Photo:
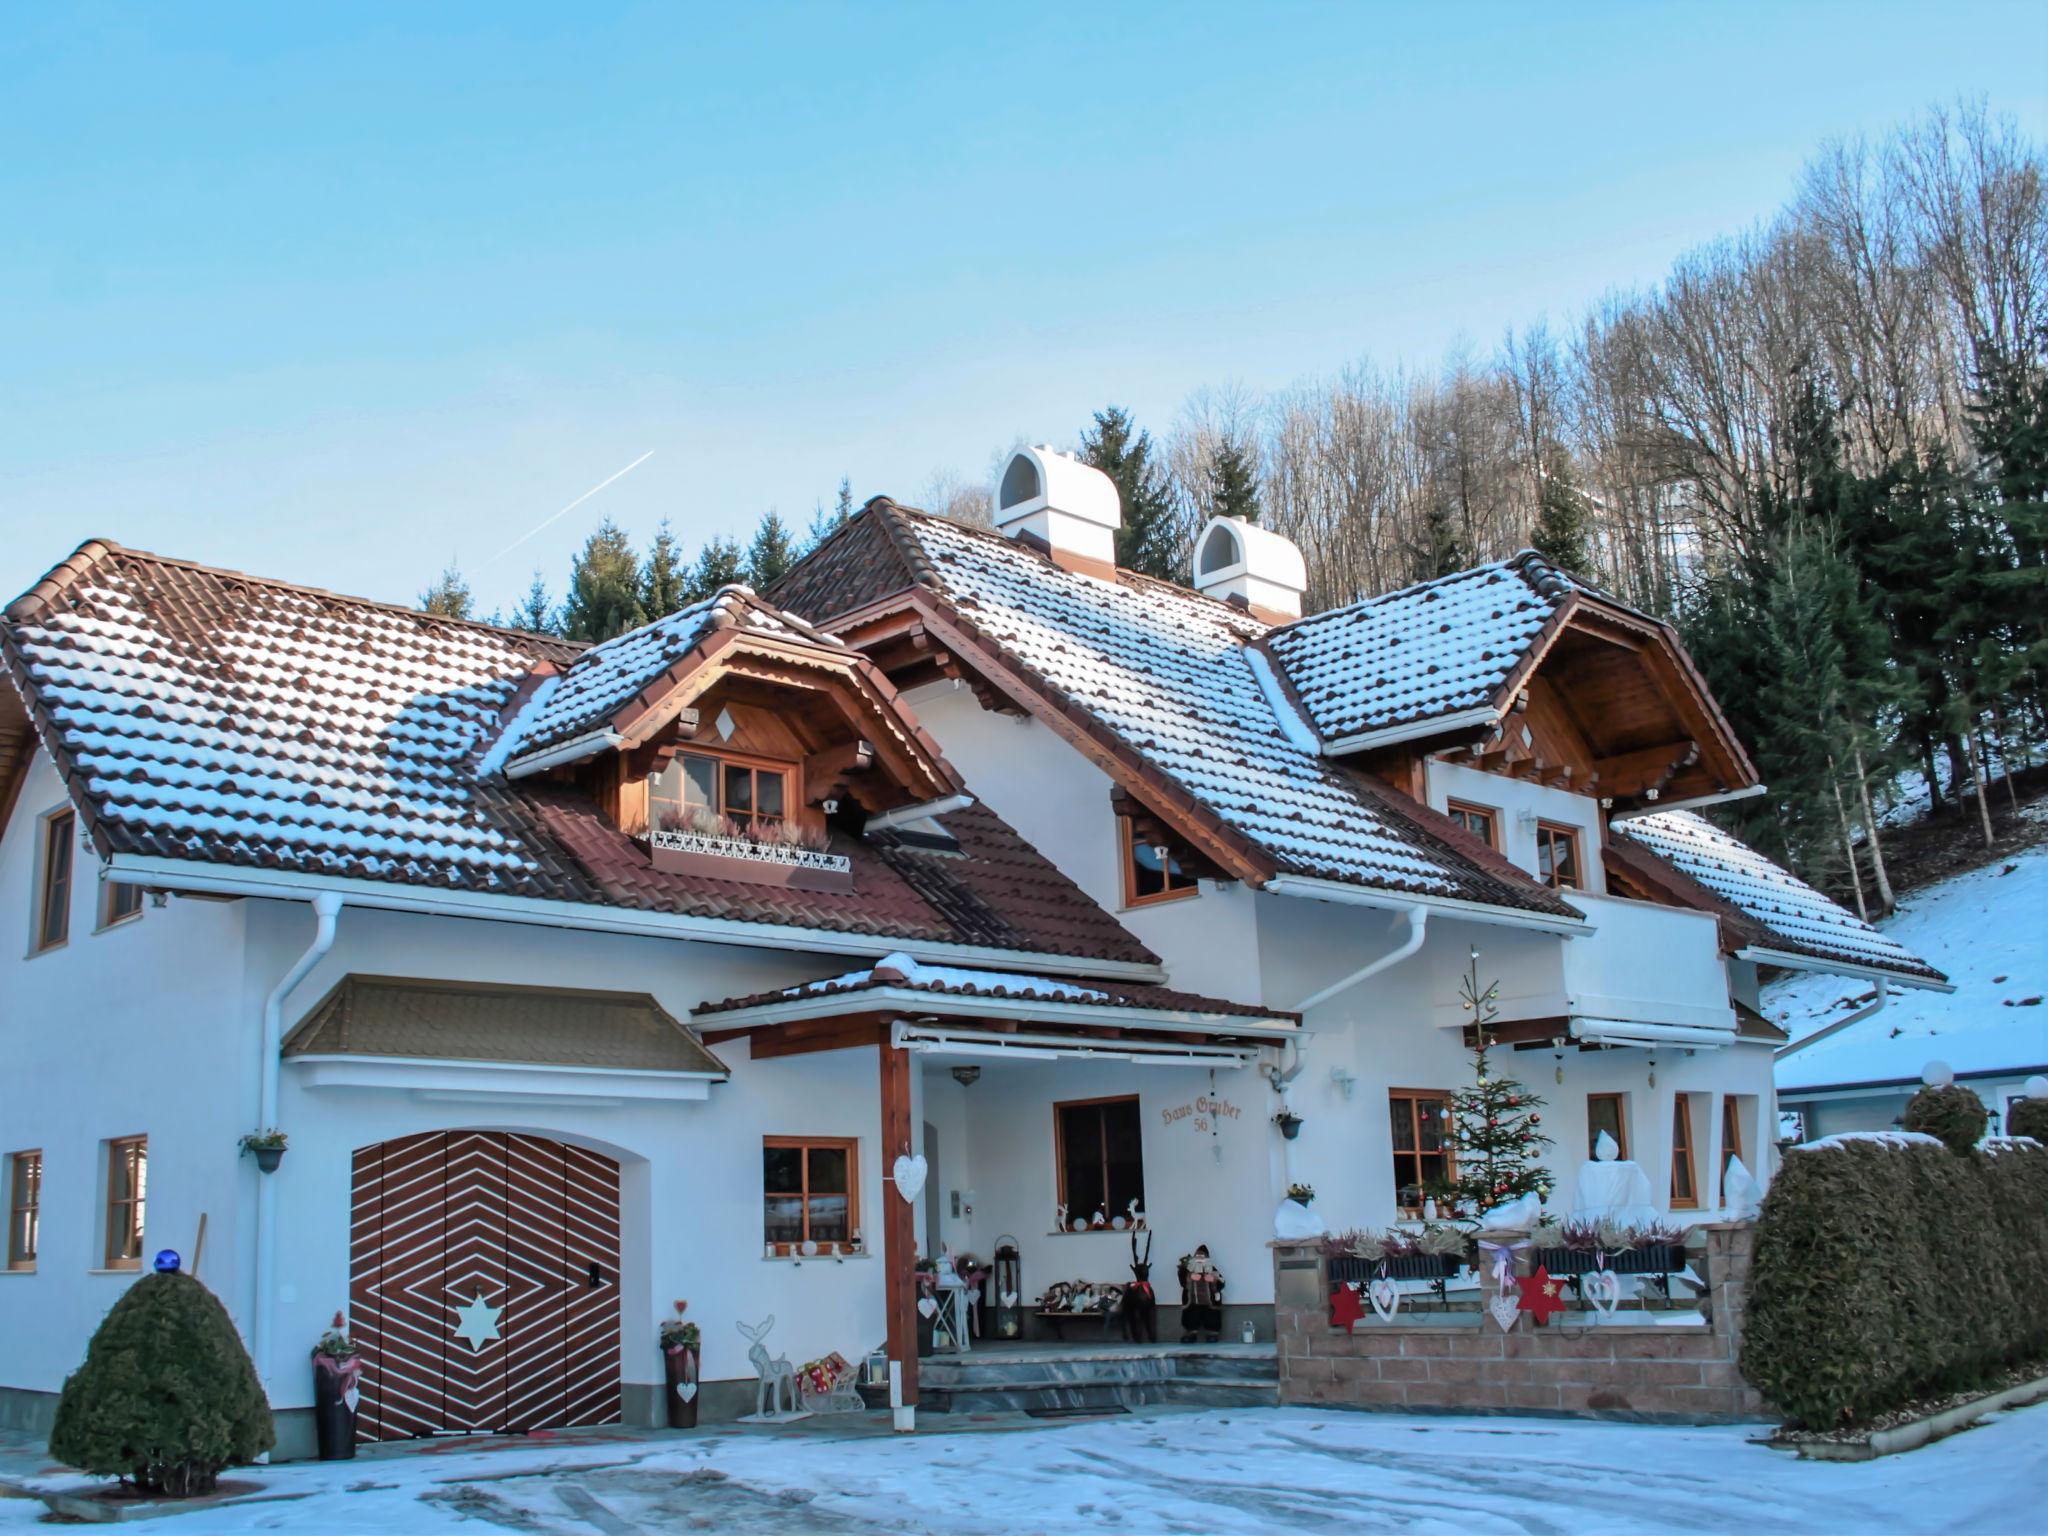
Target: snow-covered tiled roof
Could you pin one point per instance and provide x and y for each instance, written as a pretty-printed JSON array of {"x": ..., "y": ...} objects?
[
  {"x": 1392, "y": 666},
  {"x": 1803, "y": 924},
  {"x": 605, "y": 678},
  {"x": 1167, "y": 673}
]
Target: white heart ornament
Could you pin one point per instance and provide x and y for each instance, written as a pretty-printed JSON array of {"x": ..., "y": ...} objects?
[
  {"x": 351, "y": 1397},
  {"x": 927, "y": 1306},
  {"x": 1602, "y": 1290},
  {"x": 1009, "y": 1298},
  {"x": 687, "y": 1391},
  {"x": 1505, "y": 1307},
  {"x": 910, "y": 1176},
  {"x": 1385, "y": 1297}
]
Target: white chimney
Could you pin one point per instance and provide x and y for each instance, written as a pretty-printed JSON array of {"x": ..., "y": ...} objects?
[
  {"x": 1252, "y": 567},
  {"x": 1055, "y": 503}
]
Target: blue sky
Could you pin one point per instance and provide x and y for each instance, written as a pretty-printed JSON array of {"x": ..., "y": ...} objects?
[{"x": 337, "y": 293}]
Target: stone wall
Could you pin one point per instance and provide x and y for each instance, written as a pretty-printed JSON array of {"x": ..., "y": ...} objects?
[{"x": 1610, "y": 1369}]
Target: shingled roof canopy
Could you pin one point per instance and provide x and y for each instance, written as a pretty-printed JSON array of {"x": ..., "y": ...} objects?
[{"x": 395, "y": 1017}]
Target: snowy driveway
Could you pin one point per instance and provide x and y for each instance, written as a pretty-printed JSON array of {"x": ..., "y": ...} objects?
[{"x": 1260, "y": 1470}]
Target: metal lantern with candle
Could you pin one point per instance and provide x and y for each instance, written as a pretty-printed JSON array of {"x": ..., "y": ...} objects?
[{"x": 1006, "y": 1289}]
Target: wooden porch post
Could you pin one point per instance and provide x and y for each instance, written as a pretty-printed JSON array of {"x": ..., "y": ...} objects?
[{"x": 899, "y": 1240}]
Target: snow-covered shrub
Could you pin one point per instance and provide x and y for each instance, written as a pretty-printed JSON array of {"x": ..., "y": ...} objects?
[
  {"x": 1889, "y": 1269},
  {"x": 1950, "y": 1112}
]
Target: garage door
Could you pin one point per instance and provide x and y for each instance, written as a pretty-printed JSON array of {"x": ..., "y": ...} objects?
[{"x": 484, "y": 1285}]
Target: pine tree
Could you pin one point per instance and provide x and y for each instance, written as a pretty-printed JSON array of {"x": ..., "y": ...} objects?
[
  {"x": 771, "y": 554},
  {"x": 604, "y": 587},
  {"x": 1496, "y": 1148},
  {"x": 718, "y": 565},
  {"x": 662, "y": 576},
  {"x": 1437, "y": 550},
  {"x": 824, "y": 524},
  {"x": 1147, "y": 541},
  {"x": 1233, "y": 484},
  {"x": 449, "y": 596},
  {"x": 1564, "y": 523},
  {"x": 535, "y": 612}
]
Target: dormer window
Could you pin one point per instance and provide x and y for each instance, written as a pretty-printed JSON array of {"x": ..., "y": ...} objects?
[
  {"x": 1152, "y": 872},
  {"x": 1557, "y": 857},
  {"x": 750, "y": 793}
]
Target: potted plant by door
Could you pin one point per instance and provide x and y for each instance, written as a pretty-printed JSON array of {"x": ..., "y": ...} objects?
[
  {"x": 681, "y": 1354},
  {"x": 337, "y": 1369},
  {"x": 267, "y": 1147}
]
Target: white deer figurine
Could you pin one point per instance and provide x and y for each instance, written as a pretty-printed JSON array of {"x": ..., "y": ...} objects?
[{"x": 774, "y": 1373}]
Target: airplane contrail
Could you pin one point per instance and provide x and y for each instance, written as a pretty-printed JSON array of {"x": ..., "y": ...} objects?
[{"x": 501, "y": 554}]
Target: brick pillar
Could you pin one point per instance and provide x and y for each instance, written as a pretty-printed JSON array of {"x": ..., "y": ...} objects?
[{"x": 1730, "y": 1247}]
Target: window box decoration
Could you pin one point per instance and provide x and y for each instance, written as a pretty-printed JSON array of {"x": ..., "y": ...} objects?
[
  {"x": 681, "y": 1354},
  {"x": 337, "y": 1370},
  {"x": 1576, "y": 1249},
  {"x": 267, "y": 1147},
  {"x": 755, "y": 860},
  {"x": 1435, "y": 1254}
]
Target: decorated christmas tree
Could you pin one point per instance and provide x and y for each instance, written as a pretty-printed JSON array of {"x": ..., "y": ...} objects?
[{"x": 1495, "y": 1144}]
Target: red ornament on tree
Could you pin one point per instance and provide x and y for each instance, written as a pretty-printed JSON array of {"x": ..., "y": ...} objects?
[{"x": 1542, "y": 1296}]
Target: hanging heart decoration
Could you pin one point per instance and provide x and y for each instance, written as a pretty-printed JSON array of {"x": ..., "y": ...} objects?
[
  {"x": 927, "y": 1306},
  {"x": 1009, "y": 1298},
  {"x": 352, "y": 1397},
  {"x": 687, "y": 1391},
  {"x": 1505, "y": 1307},
  {"x": 1385, "y": 1297},
  {"x": 1602, "y": 1290},
  {"x": 910, "y": 1176}
]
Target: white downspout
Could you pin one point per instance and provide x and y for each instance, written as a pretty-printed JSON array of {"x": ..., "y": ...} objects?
[
  {"x": 1869, "y": 1010},
  {"x": 1282, "y": 1077},
  {"x": 326, "y": 908}
]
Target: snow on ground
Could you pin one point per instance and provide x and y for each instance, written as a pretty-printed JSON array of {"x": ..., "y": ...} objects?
[
  {"x": 1260, "y": 1470},
  {"x": 1988, "y": 930}
]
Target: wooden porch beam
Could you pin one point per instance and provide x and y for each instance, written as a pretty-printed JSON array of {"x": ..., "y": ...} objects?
[{"x": 899, "y": 1241}]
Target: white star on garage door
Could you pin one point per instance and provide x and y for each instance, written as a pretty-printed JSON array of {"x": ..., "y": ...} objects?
[{"x": 479, "y": 1323}]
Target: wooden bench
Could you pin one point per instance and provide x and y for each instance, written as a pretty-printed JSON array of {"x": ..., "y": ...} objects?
[{"x": 1108, "y": 1323}]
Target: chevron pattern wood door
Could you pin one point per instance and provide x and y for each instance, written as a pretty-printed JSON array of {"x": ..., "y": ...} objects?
[{"x": 484, "y": 1285}]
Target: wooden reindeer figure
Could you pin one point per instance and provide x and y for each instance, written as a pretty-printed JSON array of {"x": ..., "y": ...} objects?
[
  {"x": 1141, "y": 1307},
  {"x": 776, "y": 1373}
]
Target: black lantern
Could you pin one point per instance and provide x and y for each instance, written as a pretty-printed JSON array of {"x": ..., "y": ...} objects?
[{"x": 1006, "y": 1288}]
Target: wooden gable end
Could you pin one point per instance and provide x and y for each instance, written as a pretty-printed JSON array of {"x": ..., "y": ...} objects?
[{"x": 17, "y": 749}]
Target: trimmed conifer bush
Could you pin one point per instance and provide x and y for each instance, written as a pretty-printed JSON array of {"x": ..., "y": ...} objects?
[
  {"x": 167, "y": 1395},
  {"x": 2029, "y": 1117},
  {"x": 1950, "y": 1113},
  {"x": 1888, "y": 1271}
]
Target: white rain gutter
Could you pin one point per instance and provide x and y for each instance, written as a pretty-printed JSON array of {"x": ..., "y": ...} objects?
[
  {"x": 924, "y": 1038},
  {"x": 326, "y": 910},
  {"x": 1626, "y": 1032},
  {"x": 390, "y": 896},
  {"x": 925, "y": 811},
  {"x": 1659, "y": 807},
  {"x": 1414, "y": 730},
  {"x": 1790, "y": 962},
  {"x": 1446, "y": 906},
  {"x": 573, "y": 750},
  {"x": 1868, "y": 1011}
]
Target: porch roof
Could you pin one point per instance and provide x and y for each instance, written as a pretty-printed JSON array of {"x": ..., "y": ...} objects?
[{"x": 898, "y": 984}]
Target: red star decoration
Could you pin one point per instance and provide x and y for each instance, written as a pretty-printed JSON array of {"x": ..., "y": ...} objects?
[
  {"x": 1345, "y": 1308},
  {"x": 1542, "y": 1297}
]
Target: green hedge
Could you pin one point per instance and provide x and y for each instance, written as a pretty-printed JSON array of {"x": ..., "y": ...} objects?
[{"x": 1887, "y": 1271}]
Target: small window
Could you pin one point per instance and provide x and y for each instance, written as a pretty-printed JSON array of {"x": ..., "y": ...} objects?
[
  {"x": 1685, "y": 1190},
  {"x": 1480, "y": 820},
  {"x": 1607, "y": 1112},
  {"x": 1151, "y": 872},
  {"x": 1422, "y": 1162},
  {"x": 24, "y": 1208},
  {"x": 1731, "y": 1139},
  {"x": 1557, "y": 857},
  {"x": 53, "y": 913},
  {"x": 119, "y": 901},
  {"x": 810, "y": 1189},
  {"x": 1099, "y": 1149},
  {"x": 697, "y": 785},
  {"x": 127, "y": 1188}
]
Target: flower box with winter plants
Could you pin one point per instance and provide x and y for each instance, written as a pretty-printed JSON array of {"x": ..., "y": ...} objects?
[
  {"x": 1582, "y": 1247},
  {"x": 1435, "y": 1253},
  {"x": 760, "y": 852}
]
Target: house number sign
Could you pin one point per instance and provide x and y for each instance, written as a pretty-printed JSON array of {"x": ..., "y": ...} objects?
[{"x": 1207, "y": 1112}]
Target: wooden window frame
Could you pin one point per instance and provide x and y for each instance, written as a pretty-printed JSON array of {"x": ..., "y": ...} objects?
[
  {"x": 109, "y": 895},
  {"x": 60, "y": 833},
  {"x": 1415, "y": 1096},
  {"x": 130, "y": 1215},
  {"x": 1128, "y": 842},
  {"x": 1456, "y": 808},
  {"x": 22, "y": 1256},
  {"x": 1681, "y": 1114},
  {"x": 1620, "y": 1120},
  {"x": 1548, "y": 831},
  {"x": 1059, "y": 1151},
  {"x": 850, "y": 1145},
  {"x": 759, "y": 766},
  {"x": 1731, "y": 1139}
]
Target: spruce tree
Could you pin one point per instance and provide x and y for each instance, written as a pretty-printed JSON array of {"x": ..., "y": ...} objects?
[
  {"x": 1496, "y": 1148},
  {"x": 1233, "y": 484},
  {"x": 718, "y": 564},
  {"x": 823, "y": 523},
  {"x": 1564, "y": 523},
  {"x": 1437, "y": 550},
  {"x": 535, "y": 612},
  {"x": 662, "y": 576},
  {"x": 771, "y": 554},
  {"x": 449, "y": 596},
  {"x": 1147, "y": 541},
  {"x": 604, "y": 588}
]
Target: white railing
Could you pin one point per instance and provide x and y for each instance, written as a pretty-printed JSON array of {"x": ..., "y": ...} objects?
[{"x": 784, "y": 854}]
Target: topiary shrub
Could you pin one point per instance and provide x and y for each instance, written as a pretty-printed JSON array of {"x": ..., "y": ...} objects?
[
  {"x": 1951, "y": 1114},
  {"x": 2029, "y": 1117},
  {"x": 167, "y": 1395}
]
